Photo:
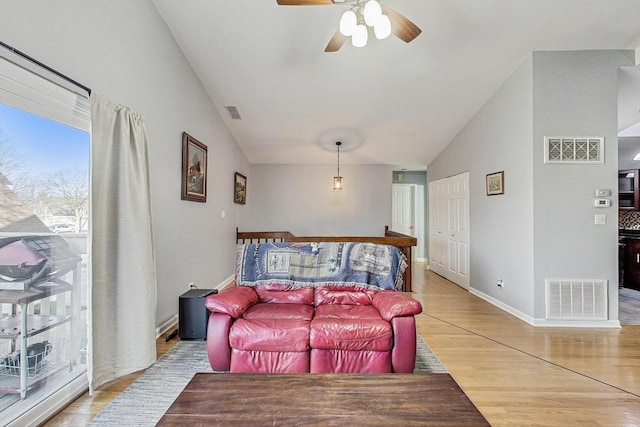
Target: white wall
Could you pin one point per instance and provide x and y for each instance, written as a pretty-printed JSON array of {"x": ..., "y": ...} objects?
[
  {"x": 575, "y": 94},
  {"x": 300, "y": 199},
  {"x": 123, "y": 50},
  {"x": 499, "y": 138}
]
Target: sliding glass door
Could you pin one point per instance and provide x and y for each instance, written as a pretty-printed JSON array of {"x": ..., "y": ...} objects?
[{"x": 44, "y": 229}]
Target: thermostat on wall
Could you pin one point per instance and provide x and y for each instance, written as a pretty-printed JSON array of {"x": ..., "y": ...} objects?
[{"x": 602, "y": 203}]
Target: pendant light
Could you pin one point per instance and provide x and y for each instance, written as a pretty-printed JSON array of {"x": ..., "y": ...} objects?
[{"x": 337, "y": 180}]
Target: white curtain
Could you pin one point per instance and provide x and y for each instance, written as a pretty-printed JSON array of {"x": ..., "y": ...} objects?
[{"x": 123, "y": 295}]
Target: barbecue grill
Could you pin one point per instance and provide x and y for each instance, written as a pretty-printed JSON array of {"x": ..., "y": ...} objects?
[{"x": 29, "y": 260}]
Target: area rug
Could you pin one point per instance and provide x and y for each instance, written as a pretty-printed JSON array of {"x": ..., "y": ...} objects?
[{"x": 145, "y": 401}]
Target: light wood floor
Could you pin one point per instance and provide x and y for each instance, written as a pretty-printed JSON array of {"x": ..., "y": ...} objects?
[{"x": 516, "y": 375}]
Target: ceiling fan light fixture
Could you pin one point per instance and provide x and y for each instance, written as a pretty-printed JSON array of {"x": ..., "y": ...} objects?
[
  {"x": 348, "y": 23},
  {"x": 359, "y": 36},
  {"x": 382, "y": 29},
  {"x": 372, "y": 12}
]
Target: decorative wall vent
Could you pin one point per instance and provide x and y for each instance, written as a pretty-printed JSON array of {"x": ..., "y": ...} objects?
[
  {"x": 574, "y": 150},
  {"x": 575, "y": 299}
]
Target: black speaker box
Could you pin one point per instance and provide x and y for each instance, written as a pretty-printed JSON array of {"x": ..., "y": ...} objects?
[{"x": 193, "y": 316}]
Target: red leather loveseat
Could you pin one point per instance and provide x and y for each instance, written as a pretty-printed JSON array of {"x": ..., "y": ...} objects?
[{"x": 279, "y": 328}]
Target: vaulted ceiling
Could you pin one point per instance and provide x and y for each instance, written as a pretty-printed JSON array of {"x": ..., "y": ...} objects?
[{"x": 390, "y": 102}]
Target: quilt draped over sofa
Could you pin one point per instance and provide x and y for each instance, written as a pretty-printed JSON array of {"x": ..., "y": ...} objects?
[{"x": 346, "y": 264}]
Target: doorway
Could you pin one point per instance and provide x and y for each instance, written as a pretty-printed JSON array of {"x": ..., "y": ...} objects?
[
  {"x": 628, "y": 214},
  {"x": 408, "y": 201}
]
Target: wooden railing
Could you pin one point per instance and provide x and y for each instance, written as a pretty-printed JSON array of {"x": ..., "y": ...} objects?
[
  {"x": 402, "y": 242},
  {"x": 262, "y": 236}
]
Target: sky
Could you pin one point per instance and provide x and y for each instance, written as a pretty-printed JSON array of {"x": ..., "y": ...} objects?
[{"x": 44, "y": 145}]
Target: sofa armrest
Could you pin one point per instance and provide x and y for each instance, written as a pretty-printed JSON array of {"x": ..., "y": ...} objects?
[
  {"x": 403, "y": 355},
  {"x": 392, "y": 304},
  {"x": 218, "y": 348},
  {"x": 233, "y": 301}
]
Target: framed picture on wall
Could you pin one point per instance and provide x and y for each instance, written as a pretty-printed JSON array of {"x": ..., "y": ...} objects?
[
  {"x": 194, "y": 169},
  {"x": 495, "y": 183},
  {"x": 240, "y": 189}
]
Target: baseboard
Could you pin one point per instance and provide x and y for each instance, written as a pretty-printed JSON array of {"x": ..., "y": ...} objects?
[
  {"x": 226, "y": 282},
  {"x": 173, "y": 320},
  {"x": 168, "y": 324},
  {"x": 544, "y": 323},
  {"x": 517, "y": 313}
]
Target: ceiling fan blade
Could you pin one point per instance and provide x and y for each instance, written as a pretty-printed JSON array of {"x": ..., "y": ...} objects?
[
  {"x": 304, "y": 2},
  {"x": 336, "y": 42},
  {"x": 401, "y": 27}
]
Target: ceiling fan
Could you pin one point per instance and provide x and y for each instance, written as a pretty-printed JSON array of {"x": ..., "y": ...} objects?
[{"x": 363, "y": 14}]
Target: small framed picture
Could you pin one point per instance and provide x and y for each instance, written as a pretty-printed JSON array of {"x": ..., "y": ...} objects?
[
  {"x": 495, "y": 183},
  {"x": 240, "y": 189},
  {"x": 194, "y": 169}
]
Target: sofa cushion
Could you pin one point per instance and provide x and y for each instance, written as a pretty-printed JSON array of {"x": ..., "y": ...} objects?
[
  {"x": 286, "y": 295},
  {"x": 342, "y": 295},
  {"x": 273, "y": 362},
  {"x": 336, "y": 311},
  {"x": 279, "y": 311},
  {"x": 283, "y": 335},
  {"x": 345, "y": 362},
  {"x": 350, "y": 327}
]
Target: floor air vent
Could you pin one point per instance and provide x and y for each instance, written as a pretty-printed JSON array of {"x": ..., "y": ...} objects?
[{"x": 570, "y": 299}]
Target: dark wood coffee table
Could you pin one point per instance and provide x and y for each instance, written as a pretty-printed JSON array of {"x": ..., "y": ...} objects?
[{"x": 322, "y": 400}]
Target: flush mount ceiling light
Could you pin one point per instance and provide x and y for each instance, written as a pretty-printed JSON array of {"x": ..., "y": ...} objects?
[
  {"x": 362, "y": 15},
  {"x": 337, "y": 180}
]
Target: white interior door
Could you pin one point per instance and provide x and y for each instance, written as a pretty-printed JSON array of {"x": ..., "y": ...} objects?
[
  {"x": 449, "y": 228},
  {"x": 458, "y": 229},
  {"x": 407, "y": 215},
  {"x": 403, "y": 202}
]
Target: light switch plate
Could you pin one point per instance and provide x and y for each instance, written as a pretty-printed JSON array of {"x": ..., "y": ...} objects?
[
  {"x": 600, "y": 219},
  {"x": 602, "y": 193}
]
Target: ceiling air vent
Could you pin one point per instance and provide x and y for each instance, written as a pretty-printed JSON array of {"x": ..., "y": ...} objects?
[
  {"x": 574, "y": 150},
  {"x": 233, "y": 112}
]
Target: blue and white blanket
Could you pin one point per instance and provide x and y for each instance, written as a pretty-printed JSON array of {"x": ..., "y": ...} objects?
[{"x": 366, "y": 265}]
